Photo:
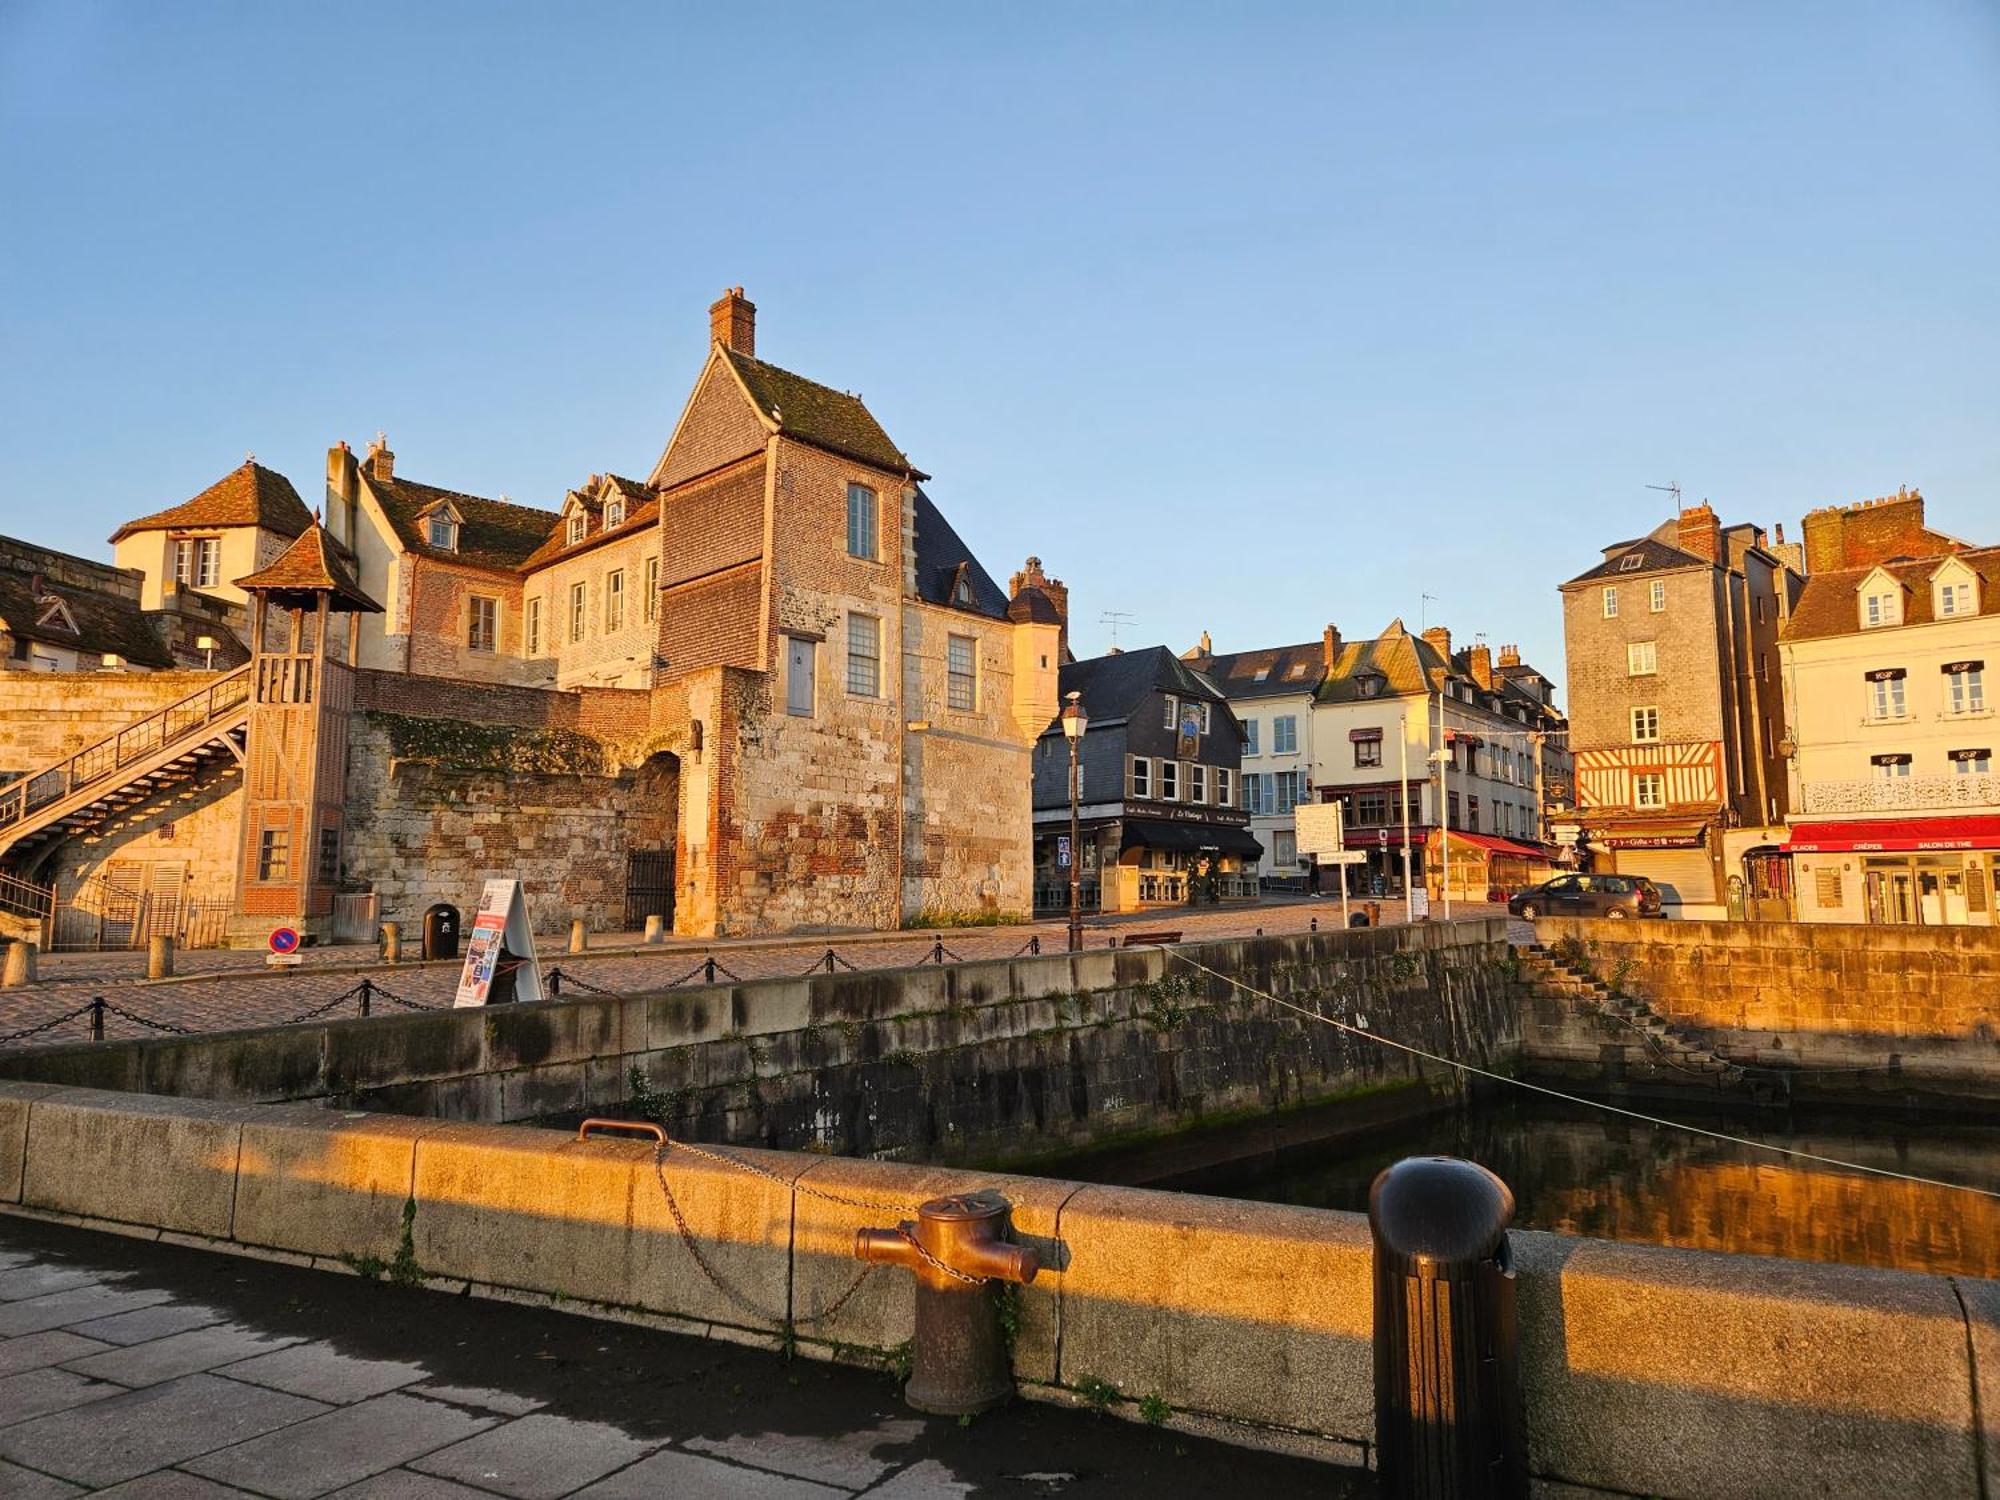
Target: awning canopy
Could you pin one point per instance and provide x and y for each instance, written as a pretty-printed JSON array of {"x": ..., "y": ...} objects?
[
  {"x": 1494, "y": 844},
  {"x": 1157, "y": 833},
  {"x": 1895, "y": 835}
]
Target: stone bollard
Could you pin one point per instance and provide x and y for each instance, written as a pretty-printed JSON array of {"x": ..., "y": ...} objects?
[
  {"x": 656, "y": 928},
  {"x": 392, "y": 943},
  {"x": 20, "y": 967},
  {"x": 579, "y": 936},
  {"x": 159, "y": 956}
]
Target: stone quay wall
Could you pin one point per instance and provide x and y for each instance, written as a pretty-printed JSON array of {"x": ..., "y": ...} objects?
[
  {"x": 1908, "y": 1013},
  {"x": 1644, "y": 1371},
  {"x": 1008, "y": 1061}
]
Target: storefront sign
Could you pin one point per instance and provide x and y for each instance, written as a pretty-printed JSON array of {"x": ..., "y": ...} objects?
[
  {"x": 1178, "y": 812},
  {"x": 1654, "y": 841},
  {"x": 501, "y": 923}
]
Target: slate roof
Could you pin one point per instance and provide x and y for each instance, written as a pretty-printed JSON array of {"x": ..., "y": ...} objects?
[
  {"x": 817, "y": 414},
  {"x": 1283, "y": 669},
  {"x": 310, "y": 564},
  {"x": 1830, "y": 602},
  {"x": 941, "y": 555},
  {"x": 1033, "y": 606},
  {"x": 1655, "y": 556},
  {"x": 494, "y": 534},
  {"x": 106, "y": 624},
  {"x": 248, "y": 495},
  {"x": 1113, "y": 686},
  {"x": 1407, "y": 663}
]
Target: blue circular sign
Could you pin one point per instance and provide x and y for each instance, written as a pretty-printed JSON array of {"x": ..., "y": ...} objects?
[{"x": 285, "y": 940}]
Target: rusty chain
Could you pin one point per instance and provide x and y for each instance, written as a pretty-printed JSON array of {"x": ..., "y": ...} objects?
[{"x": 49, "y": 1025}]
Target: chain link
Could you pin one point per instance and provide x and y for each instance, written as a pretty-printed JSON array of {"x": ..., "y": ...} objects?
[
  {"x": 118, "y": 1010},
  {"x": 49, "y": 1025},
  {"x": 570, "y": 981}
]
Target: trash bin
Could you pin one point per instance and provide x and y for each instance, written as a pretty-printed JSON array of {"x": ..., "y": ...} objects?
[
  {"x": 441, "y": 930},
  {"x": 1447, "y": 1364}
]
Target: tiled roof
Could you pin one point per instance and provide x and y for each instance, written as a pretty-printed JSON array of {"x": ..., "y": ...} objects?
[
  {"x": 1269, "y": 673},
  {"x": 1655, "y": 556},
  {"x": 817, "y": 414},
  {"x": 310, "y": 564},
  {"x": 941, "y": 556},
  {"x": 249, "y": 495},
  {"x": 106, "y": 624},
  {"x": 1406, "y": 663},
  {"x": 495, "y": 534},
  {"x": 642, "y": 511},
  {"x": 1033, "y": 606},
  {"x": 1830, "y": 602}
]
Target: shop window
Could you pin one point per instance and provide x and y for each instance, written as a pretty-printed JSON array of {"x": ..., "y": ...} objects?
[{"x": 1284, "y": 849}]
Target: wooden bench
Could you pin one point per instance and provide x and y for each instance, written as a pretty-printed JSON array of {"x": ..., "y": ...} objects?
[{"x": 1148, "y": 939}]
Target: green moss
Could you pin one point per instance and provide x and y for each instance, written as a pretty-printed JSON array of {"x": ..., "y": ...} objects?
[{"x": 458, "y": 745}]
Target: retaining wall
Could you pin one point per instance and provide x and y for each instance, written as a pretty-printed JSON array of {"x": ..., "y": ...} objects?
[{"x": 1661, "y": 1372}]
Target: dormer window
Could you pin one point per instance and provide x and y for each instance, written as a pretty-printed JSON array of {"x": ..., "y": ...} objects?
[
  {"x": 614, "y": 513},
  {"x": 1631, "y": 562},
  {"x": 579, "y": 523},
  {"x": 1955, "y": 591},
  {"x": 443, "y": 533},
  {"x": 1880, "y": 608}
]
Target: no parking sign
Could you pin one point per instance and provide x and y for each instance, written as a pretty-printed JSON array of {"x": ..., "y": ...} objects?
[{"x": 285, "y": 946}]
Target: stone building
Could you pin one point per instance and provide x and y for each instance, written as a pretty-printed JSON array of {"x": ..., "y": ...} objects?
[
  {"x": 235, "y": 526},
  {"x": 590, "y": 595},
  {"x": 1895, "y": 804},
  {"x": 1676, "y": 709},
  {"x": 60, "y": 613}
]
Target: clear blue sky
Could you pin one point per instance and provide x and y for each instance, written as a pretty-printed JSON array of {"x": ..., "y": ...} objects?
[{"x": 1246, "y": 317}]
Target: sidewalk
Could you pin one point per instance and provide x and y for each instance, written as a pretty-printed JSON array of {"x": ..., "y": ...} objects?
[{"x": 148, "y": 1372}]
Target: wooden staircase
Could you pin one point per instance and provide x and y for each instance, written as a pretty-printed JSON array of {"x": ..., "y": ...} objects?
[{"x": 108, "y": 784}]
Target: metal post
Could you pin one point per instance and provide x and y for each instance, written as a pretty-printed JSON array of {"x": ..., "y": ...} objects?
[
  {"x": 1035, "y": 944},
  {"x": 97, "y": 1018},
  {"x": 1075, "y": 855},
  {"x": 1403, "y": 759},
  {"x": 1444, "y": 814},
  {"x": 555, "y": 984},
  {"x": 367, "y": 994},
  {"x": 709, "y": 967}
]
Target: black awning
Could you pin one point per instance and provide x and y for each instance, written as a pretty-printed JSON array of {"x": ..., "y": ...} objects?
[{"x": 1156, "y": 833}]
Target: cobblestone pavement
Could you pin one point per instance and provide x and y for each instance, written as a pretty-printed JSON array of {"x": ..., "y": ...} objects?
[
  {"x": 148, "y": 1372},
  {"x": 236, "y": 989}
]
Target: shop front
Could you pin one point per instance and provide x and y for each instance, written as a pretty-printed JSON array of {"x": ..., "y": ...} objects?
[
  {"x": 1917, "y": 872},
  {"x": 1169, "y": 862},
  {"x": 1677, "y": 857},
  {"x": 1483, "y": 866}
]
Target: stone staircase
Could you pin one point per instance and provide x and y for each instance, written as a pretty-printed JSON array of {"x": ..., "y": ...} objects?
[{"x": 1683, "y": 1049}]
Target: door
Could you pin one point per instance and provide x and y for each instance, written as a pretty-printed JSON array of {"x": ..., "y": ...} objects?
[
  {"x": 649, "y": 887},
  {"x": 1954, "y": 899},
  {"x": 1564, "y": 897}
]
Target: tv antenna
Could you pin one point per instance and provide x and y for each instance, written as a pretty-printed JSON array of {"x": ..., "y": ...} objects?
[
  {"x": 1115, "y": 618},
  {"x": 1424, "y": 611},
  {"x": 1671, "y": 487}
]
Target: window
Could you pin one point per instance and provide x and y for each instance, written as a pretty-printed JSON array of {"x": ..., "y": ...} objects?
[
  {"x": 1642, "y": 658},
  {"x": 862, "y": 512},
  {"x": 961, "y": 673},
  {"x": 1368, "y": 753},
  {"x": 1284, "y": 734},
  {"x": 1291, "y": 790},
  {"x": 1891, "y": 767},
  {"x": 1256, "y": 792},
  {"x": 579, "y": 523},
  {"x": 1610, "y": 602},
  {"x": 1656, "y": 599},
  {"x": 1371, "y": 808},
  {"x": 329, "y": 856},
  {"x": 1222, "y": 787},
  {"x": 614, "y": 600},
  {"x": 1197, "y": 782},
  {"x": 578, "y": 610},
  {"x": 1284, "y": 849},
  {"x": 1472, "y": 814},
  {"x": 1169, "y": 720},
  {"x": 1971, "y": 762},
  {"x": 649, "y": 606},
  {"x": 1880, "y": 609},
  {"x": 1954, "y": 599},
  {"x": 1170, "y": 781},
  {"x": 532, "y": 638},
  {"x": 1965, "y": 687},
  {"x": 1451, "y": 809},
  {"x": 800, "y": 672},
  {"x": 1885, "y": 696},
  {"x": 482, "y": 623},
  {"x": 1631, "y": 562},
  {"x": 1142, "y": 776},
  {"x": 274, "y": 854},
  {"x": 1649, "y": 789},
  {"x": 1764, "y": 665},
  {"x": 614, "y": 513},
  {"x": 864, "y": 656},
  {"x": 1250, "y": 737},
  {"x": 198, "y": 561},
  {"x": 1645, "y": 726},
  {"x": 443, "y": 534}
]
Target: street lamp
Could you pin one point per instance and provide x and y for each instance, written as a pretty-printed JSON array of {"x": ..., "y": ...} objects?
[{"x": 1074, "y": 722}]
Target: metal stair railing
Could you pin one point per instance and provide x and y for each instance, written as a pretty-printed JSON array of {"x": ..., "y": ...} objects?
[{"x": 94, "y": 763}]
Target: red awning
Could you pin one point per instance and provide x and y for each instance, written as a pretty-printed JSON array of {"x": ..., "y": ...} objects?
[
  {"x": 1894, "y": 835},
  {"x": 1494, "y": 844}
]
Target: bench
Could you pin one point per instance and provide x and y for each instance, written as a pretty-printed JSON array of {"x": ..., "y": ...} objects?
[{"x": 1148, "y": 939}]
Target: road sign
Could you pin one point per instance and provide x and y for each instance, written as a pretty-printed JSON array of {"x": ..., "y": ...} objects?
[
  {"x": 1382, "y": 835},
  {"x": 1062, "y": 851},
  {"x": 1343, "y": 857},
  {"x": 285, "y": 940},
  {"x": 1318, "y": 826}
]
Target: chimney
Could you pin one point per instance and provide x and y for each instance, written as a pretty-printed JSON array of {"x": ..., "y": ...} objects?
[
  {"x": 1439, "y": 640},
  {"x": 1510, "y": 656},
  {"x": 343, "y": 492},
  {"x": 381, "y": 462},
  {"x": 1700, "y": 533},
  {"x": 732, "y": 322},
  {"x": 1479, "y": 662},
  {"x": 1329, "y": 647},
  {"x": 1054, "y": 590},
  {"x": 1207, "y": 650}
]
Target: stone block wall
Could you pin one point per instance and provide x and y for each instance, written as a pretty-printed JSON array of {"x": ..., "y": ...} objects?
[
  {"x": 47, "y": 715},
  {"x": 603, "y": 655}
]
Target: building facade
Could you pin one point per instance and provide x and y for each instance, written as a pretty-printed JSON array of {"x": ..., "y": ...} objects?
[
  {"x": 1272, "y": 693},
  {"x": 240, "y": 523}
]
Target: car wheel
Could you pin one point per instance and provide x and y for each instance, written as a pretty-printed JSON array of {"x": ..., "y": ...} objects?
[
  {"x": 1618, "y": 913},
  {"x": 1528, "y": 910}
]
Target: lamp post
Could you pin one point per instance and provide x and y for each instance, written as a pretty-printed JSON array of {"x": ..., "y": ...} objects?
[{"x": 1074, "y": 722}]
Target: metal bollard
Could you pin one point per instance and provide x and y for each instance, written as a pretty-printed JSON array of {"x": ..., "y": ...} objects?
[
  {"x": 392, "y": 943},
  {"x": 960, "y": 1363},
  {"x": 656, "y": 929},
  {"x": 579, "y": 936},
  {"x": 1447, "y": 1358},
  {"x": 97, "y": 1018},
  {"x": 20, "y": 964},
  {"x": 159, "y": 956}
]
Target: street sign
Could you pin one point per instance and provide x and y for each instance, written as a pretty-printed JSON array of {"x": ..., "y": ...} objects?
[
  {"x": 1062, "y": 851},
  {"x": 1343, "y": 857},
  {"x": 285, "y": 940},
  {"x": 501, "y": 923},
  {"x": 1382, "y": 836},
  {"x": 1318, "y": 827}
]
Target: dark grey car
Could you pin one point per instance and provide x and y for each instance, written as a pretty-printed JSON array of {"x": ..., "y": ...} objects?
[{"x": 1589, "y": 896}]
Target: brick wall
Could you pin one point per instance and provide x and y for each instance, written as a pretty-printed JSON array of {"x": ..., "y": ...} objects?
[
  {"x": 438, "y": 603},
  {"x": 717, "y": 427}
]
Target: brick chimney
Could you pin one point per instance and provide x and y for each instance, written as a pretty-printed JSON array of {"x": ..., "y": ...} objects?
[
  {"x": 1207, "y": 649},
  {"x": 732, "y": 322},
  {"x": 1859, "y": 536},
  {"x": 1329, "y": 647},
  {"x": 381, "y": 462},
  {"x": 1032, "y": 578},
  {"x": 1510, "y": 656},
  {"x": 1700, "y": 532},
  {"x": 1440, "y": 640},
  {"x": 1479, "y": 662}
]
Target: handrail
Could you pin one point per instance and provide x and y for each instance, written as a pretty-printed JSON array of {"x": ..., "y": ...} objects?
[{"x": 156, "y": 731}]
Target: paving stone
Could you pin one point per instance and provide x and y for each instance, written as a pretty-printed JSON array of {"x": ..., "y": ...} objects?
[
  {"x": 931, "y": 1480},
  {"x": 50, "y": 1347},
  {"x": 403, "y": 1484},
  {"x": 674, "y": 1473},
  {"x": 125, "y": 1436},
  {"x": 149, "y": 1323},
  {"x": 539, "y": 1457},
  {"x": 848, "y": 1459},
  {"x": 177, "y": 1355},
  {"x": 17, "y": 1483},
  {"x": 77, "y": 1305},
  {"x": 171, "y": 1484},
  {"x": 341, "y": 1447},
  {"x": 325, "y": 1374},
  {"x": 34, "y": 1392},
  {"x": 506, "y": 1403},
  {"x": 39, "y": 1278}
]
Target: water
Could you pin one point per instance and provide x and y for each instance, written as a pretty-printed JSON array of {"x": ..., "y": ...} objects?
[{"x": 1584, "y": 1172}]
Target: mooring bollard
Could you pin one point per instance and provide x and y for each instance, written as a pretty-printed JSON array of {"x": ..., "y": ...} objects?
[
  {"x": 579, "y": 936},
  {"x": 392, "y": 943},
  {"x": 20, "y": 964},
  {"x": 1447, "y": 1359},
  {"x": 159, "y": 956},
  {"x": 959, "y": 1357},
  {"x": 656, "y": 928}
]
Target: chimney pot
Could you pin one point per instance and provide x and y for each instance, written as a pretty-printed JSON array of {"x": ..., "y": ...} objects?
[
  {"x": 381, "y": 462},
  {"x": 732, "y": 322},
  {"x": 1439, "y": 639},
  {"x": 1206, "y": 648}
]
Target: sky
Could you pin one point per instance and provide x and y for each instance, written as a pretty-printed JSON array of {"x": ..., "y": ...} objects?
[{"x": 1243, "y": 318}]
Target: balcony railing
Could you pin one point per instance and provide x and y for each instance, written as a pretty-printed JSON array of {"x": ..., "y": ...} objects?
[{"x": 1904, "y": 794}]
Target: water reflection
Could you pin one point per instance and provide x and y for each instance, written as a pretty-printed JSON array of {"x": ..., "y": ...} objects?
[{"x": 1588, "y": 1173}]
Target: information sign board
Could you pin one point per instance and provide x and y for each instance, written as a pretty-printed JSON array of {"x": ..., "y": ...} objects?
[{"x": 500, "y": 929}]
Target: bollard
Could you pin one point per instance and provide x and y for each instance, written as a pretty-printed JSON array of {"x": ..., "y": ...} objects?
[
  {"x": 392, "y": 943},
  {"x": 708, "y": 969},
  {"x": 1313, "y": 925},
  {"x": 20, "y": 966},
  {"x": 960, "y": 1360},
  {"x": 367, "y": 995},
  {"x": 1035, "y": 944},
  {"x": 1447, "y": 1388},
  {"x": 159, "y": 956},
  {"x": 97, "y": 1018},
  {"x": 554, "y": 984},
  {"x": 656, "y": 928},
  {"x": 579, "y": 936}
]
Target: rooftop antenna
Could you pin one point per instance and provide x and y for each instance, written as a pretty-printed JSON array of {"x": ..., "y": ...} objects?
[
  {"x": 1424, "y": 611},
  {"x": 1671, "y": 487},
  {"x": 1115, "y": 618}
]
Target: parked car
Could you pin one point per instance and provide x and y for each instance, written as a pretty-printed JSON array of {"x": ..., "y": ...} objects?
[{"x": 1589, "y": 896}]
